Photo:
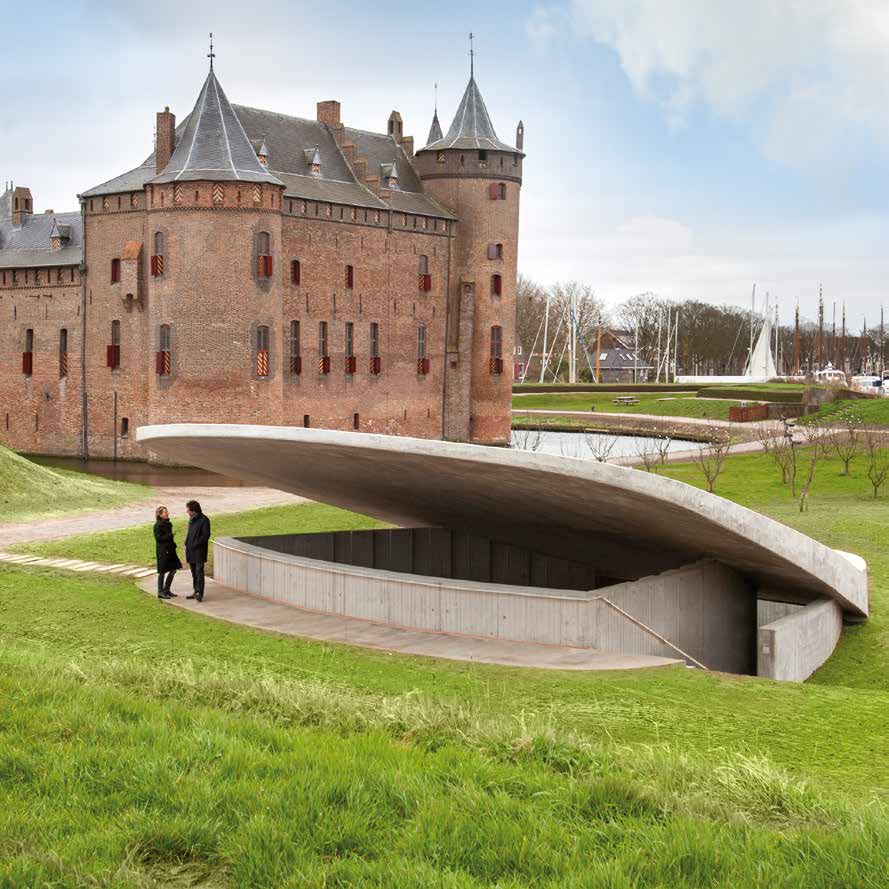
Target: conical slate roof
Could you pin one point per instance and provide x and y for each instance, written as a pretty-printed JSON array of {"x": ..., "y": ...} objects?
[
  {"x": 435, "y": 134},
  {"x": 214, "y": 145},
  {"x": 472, "y": 127}
]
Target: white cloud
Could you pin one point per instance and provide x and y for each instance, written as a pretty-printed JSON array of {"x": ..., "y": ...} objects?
[
  {"x": 542, "y": 26},
  {"x": 798, "y": 73}
]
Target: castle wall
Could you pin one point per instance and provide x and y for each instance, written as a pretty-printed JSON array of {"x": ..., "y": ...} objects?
[
  {"x": 462, "y": 184},
  {"x": 40, "y": 412}
]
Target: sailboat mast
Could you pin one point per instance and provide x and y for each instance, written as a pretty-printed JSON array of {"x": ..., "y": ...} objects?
[
  {"x": 545, "y": 358},
  {"x": 796, "y": 342},
  {"x": 820, "y": 329}
]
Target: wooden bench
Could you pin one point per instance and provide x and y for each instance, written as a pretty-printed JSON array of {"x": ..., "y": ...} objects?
[{"x": 626, "y": 399}]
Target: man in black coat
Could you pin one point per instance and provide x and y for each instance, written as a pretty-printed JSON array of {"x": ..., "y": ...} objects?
[
  {"x": 165, "y": 549},
  {"x": 196, "y": 544}
]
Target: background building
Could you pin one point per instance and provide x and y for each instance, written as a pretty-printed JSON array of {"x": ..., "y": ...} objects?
[{"x": 262, "y": 268}]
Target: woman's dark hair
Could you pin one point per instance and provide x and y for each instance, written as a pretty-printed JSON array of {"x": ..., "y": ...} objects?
[{"x": 194, "y": 506}]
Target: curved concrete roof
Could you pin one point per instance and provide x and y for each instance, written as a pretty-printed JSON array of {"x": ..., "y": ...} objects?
[{"x": 560, "y": 505}]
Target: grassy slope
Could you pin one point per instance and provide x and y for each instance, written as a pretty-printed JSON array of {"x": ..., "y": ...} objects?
[
  {"x": 867, "y": 410},
  {"x": 657, "y": 404},
  {"x": 137, "y": 737},
  {"x": 127, "y": 770},
  {"x": 135, "y": 546},
  {"x": 27, "y": 489}
]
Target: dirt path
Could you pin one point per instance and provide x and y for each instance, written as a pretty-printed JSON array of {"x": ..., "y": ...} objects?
[{"x": 213, "y": 501}]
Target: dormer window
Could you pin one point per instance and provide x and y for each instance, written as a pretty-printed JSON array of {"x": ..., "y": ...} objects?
[
  {"x": 390, "y": 175},
  {"x": 313, "y": 161},
  {"x": 262, "y": 153}
]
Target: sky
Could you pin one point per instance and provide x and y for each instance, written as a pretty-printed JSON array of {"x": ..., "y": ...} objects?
[{"x": 686, "y": 147}]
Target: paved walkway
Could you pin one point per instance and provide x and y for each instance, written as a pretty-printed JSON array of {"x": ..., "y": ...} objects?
[
  {"x": 76, "y": 565},
  {"x": 224, "y": 603},
  {"x": 213, "y": 500}
]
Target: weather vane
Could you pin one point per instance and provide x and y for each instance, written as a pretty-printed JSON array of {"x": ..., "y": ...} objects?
[
  {"x": 471, "y": 56},
  {"x": 211, "y": 55}
]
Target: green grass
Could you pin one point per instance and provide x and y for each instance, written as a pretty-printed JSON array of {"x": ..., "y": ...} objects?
[
  {"x": 141, "y": 745},
  {"x": 139, "y": 741},
  {"x": 27, "y": 490},
  {"x": 783, "y": 392},
  {"x": 135, "y": 545},
  {"x": 866, "y": 410},
  {"x": 653, "y": 403}
]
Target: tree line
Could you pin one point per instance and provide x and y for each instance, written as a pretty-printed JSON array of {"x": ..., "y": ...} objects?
[{"x": 710, "y": 339}]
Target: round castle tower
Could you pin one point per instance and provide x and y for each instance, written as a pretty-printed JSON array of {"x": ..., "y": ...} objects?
[
  {"x": 478, "y": 178},
  {"x": 213, "y": 239}
]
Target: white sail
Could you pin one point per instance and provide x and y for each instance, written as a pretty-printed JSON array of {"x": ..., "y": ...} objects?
[{"x": 761, "y": 365}]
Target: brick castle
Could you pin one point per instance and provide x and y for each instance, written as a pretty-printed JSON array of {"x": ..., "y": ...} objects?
[{"x": 262, "y": 268}]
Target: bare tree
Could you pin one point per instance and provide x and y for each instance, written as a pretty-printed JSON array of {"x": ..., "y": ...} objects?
[
  {"x": 711, "y": 457},
  {"x": 528, "y": 439},
  {"x": 818, "y": 439},
  {"x": 666, "y": 434},
  {"x": 646, "y": 452},
  {"x": 765, "y": 435},
  {"x": 845, "y": 438},
  {"x": 877, "y": 458},
  {"x": 600, "y": 445}
]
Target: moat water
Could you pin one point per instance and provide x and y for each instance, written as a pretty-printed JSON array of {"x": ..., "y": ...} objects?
[{"x": 590, "y": 445}]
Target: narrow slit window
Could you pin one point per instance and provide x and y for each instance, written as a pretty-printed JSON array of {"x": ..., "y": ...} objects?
[
  {"x": 115, "y": 271},
  {"x": 262, "y": 351},
  {"x": 63, "y": 353}
]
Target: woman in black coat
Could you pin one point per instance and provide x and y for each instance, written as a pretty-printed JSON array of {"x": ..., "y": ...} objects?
[{"x": 167, "y": 558}]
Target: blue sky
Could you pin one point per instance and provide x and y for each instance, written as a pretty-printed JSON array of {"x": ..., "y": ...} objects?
[{"x": 690, "y": 148}]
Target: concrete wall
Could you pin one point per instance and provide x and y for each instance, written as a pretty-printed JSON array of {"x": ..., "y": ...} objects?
[
  {"x": 706, "y": 609},
  {"x": 442, "y": 552},
  {"x": 707, "y": 605},
  {"x": 795, "y": 646}
]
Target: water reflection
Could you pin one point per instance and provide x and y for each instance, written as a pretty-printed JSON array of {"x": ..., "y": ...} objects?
[{"x": 594, "y": 445}]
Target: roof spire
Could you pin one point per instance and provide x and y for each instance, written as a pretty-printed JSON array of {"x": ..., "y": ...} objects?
[
  {"x": 471, "y": 56},
  {"x": 211, "y": 55}
]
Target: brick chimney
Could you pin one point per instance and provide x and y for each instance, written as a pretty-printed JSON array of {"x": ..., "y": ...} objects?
[
  {"x": 329, "y": 112},
  {"x": 166, "y": 138},
  {"x": 22, "y": 205}
]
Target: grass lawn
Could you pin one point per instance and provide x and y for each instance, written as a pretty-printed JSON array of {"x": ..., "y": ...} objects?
[
  {"x": 135, "y": 546},
  {"x": 656, "y": 403},
  {"x": 142, "y": 745},
  {"x": 867, "y": 410},
  {"x": 27, "y": 489}
]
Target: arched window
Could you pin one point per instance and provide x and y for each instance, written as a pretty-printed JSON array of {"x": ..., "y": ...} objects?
[
  {"x": 497, "y": 191},
  {"x": 496, "y": 360},
  {"x": 495, "y": 251},
  {"x": 264, "y": 260},
  {"x": 113, "y": 351},
  {"x": 115, "y": 270},
  {"x": 296, "y": 361},
  {"x": 158, "y": 259},
  {"x": 295, "y": 272},
  {"x": 262, "y": 351},
  {"x": 496, "y": 285},
  {"x": 350, "y": 277},
  {"x": 164, "y": 357},
  {"x": 63, "y": 353}
]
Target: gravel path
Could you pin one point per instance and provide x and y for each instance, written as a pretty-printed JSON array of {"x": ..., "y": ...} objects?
[{"x": 212, "y": 500}]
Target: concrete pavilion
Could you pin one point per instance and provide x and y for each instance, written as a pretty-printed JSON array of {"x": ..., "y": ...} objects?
[{"x": 525, "y": 546}]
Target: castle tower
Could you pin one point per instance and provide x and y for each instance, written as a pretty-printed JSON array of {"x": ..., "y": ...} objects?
[
  {"x": 478, "y": 177},
  {"x": 214, "y": 262}
]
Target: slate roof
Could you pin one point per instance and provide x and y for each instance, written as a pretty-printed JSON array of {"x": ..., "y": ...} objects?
[
  {"x": 214, "y": 146},
  {"x": 471, "y": 127},
  {"x": 30, "y": 244},
  {"x": 292, "y": 143},
  {"x": 435, "y": 133}
]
